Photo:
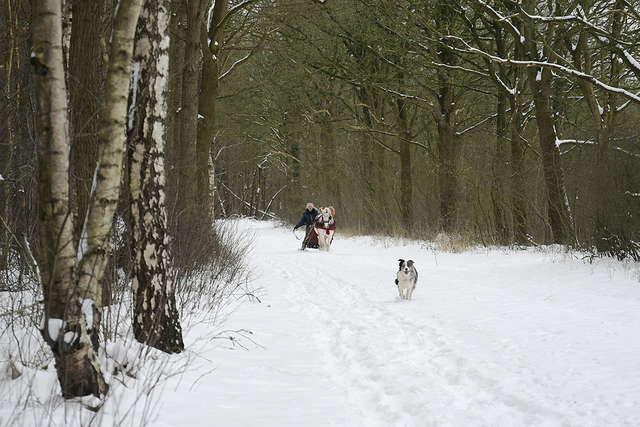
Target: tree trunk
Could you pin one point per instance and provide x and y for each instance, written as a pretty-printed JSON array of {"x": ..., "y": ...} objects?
[
  {"x": 86, "y": 72},
  {"x": 8, "y": 121},
  {"x": 290, "y": 132},
  {"x": 446, "y": 122},
  {"x": 557, "y": 208},
  {"x": 518, "y": 187},
  {"x": 95, "y": 244},
  {"x": 447, "y": 157},
  {"x": 211, "y": 44},
  {"x": 500, "y": 168},
  {"x": 406, "y": 179},
  {"x": 187, "y": 184},
  {"x": 330, "y": 151},
  {"x": 155, "y": 319},
  {"x": 176, "y": 66},
  {"x": 540, "y": 85},
  {"x": 373, "y": 160},
  {"x": 64, "y": 326}
]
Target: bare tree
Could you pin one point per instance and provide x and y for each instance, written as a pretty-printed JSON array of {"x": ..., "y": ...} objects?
[
  {"x": 213, "y": 44},
  {"x": 188, "y": 116},
  {"x": 86, "y": 77},
  {"x": 72, "y": 296},
  {"x": 155, "y": 319},
  {"x": 65, "y": 325}
]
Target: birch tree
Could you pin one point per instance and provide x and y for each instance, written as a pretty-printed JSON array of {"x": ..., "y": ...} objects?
[
  {"x": 72, "y": 296},
  {"x": 155, "y": 319},
  {"x": 65, "y": 326}
]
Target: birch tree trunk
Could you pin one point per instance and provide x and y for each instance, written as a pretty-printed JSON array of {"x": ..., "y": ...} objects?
[
  {"x": 155, "y": 320},
  {"x": 64, "y": 325},
  {"x": 94, "y": 249}
]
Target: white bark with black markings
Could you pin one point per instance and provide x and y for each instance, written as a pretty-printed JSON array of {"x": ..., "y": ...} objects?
[
  {"x": 155, "y": 320},
  {"x": 64, "y": 325}
]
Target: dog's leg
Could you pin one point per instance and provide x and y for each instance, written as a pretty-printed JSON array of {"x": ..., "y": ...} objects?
[
  {"x": 400, "y": 292},
  {"x": 409, "y": 293}
]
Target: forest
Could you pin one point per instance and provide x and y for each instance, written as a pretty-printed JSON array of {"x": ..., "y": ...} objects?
[{"x": 128, "y": 128}]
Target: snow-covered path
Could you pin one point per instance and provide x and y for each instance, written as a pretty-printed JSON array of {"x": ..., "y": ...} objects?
[{"x": 492, "y": 338}]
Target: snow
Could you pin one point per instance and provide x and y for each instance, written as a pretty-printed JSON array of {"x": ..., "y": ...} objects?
[
  {"x": 83, "y": 244},
  {"x": 492, "y": 337},
  {"x": 54, "y": 327},
  {"x": 70, "y": 337},
  {"x": 135, "y": 75},
  {"x": 635, "y": 64},
  {"x": 87, "y": 310}
]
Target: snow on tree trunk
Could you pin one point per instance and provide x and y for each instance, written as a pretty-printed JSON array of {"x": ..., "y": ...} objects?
[
  {"x": 64, "y": 325},
  {"x": 155, "y": 320}
]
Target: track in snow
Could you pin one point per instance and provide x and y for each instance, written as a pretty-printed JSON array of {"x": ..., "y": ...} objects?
[{"x": 491, "y": 338}]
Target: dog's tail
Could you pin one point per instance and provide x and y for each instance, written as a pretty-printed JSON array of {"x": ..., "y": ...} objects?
[{"x": 396, "y": 282}]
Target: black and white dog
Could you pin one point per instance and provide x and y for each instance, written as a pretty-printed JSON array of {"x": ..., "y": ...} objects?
[{"x": 407, "y": 278}]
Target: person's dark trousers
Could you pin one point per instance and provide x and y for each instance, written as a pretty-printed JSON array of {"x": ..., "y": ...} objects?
[{"x": 307, "y": 236}]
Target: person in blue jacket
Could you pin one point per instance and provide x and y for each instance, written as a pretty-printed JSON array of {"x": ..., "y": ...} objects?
[{"x": 308, "y": 218}]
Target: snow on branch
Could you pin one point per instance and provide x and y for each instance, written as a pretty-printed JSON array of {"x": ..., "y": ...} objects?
[
  {"x": 232, "y": 67},
  {"x": 579, "y": 17},
  {"x": 504, "y": 21},
  {"x": 213, "y": 32},
  {"x": 411, "y": 98},
  {"x": 553, "y": 66},
  {"x": 247, "y": 204},
  {"x": 572, "y": 144},
  {"x": 622, "y": 150},
  {"x": 476, "y": 126},
  {"x": 631, "y": 62}
]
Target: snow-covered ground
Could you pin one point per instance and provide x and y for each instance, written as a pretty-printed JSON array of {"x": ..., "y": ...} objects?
[{"x": 493, "y": 337}]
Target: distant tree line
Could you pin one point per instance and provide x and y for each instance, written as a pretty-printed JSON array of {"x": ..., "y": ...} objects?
[
  {"x": 504, "y": 122},
  {"x": 507, "y": 122}
]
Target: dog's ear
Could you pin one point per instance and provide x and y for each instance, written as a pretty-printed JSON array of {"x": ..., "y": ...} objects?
[
  {"x": 410, "y": 263},
  {"x": 400, "y": 262}
]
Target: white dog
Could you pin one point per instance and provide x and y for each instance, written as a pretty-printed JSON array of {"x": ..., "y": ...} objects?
[
  {"x": 407, "y": 278},
  {"x": 325, "y": 227}
]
